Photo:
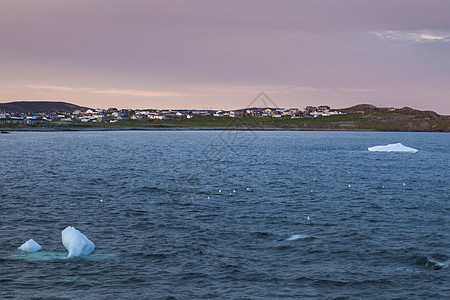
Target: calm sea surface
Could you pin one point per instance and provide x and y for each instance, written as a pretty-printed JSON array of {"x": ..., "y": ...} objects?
[{"x": 223, "y": 214}]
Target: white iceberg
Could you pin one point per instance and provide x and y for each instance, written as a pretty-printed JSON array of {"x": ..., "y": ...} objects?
[
  {"x": 30, "y": 246},
  {"x": 76, "y": 243},
  {"x": 398, "y": 147},
  {"x": 298, "y": 237}
]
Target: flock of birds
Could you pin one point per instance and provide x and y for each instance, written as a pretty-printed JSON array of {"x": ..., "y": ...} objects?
[
  {"x": 308, "y": 219},
  {"x": 252, "y": 190}
]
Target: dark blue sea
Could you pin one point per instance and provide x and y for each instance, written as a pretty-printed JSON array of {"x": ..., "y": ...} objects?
[{"x": 223, "y": 214}]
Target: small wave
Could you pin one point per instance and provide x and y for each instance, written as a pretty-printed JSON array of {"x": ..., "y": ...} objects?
[
  {"x": 135, "y": 212},
  {"x": 260, "y": 234},
  {"x": 38, "y": 256},
  {"x": 149, "y": 189},
  {"x": 437, "y": 265},
  {"x": 298, "y": 237},
  {"x": 45, "y": 256}
]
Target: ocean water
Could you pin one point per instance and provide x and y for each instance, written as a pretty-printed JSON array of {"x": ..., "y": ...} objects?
[{"x": 223, "y": 214}]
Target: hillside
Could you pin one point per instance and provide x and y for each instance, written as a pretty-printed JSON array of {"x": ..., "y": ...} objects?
[
  {"x": 38, "y": 107},
  {"x": 404, "y": 119},
  {"x": 358, "y": 117}
]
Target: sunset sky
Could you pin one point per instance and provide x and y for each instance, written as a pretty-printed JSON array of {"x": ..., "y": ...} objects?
[{"x": 221, "y": 54}]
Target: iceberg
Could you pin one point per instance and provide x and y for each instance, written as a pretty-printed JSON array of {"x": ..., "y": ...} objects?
[
  {"x": 76, "y": 243},
  {"x": 398, "y": 147},
  {"x": 30, "y": 246}
]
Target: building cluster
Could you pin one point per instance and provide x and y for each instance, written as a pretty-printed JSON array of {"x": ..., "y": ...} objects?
[{"x": 113, "y": 115}]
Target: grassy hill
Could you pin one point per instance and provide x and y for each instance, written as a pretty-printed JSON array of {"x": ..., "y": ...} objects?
[
  {"x": 400, "y": 120},
  {"x": 39, "y": 107},
  {"x": 358, "y": 117}
]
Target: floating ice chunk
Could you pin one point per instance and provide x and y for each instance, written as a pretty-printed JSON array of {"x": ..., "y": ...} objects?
[
  {"x": 298, "y": 237},
  {"x": 398, "y": 147},
  {"x": 30, "y": 246},
  {"x": 76, "y": 243}
]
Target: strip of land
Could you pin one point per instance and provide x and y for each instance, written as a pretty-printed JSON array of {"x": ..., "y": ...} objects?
[{"x": 357, "y": 118}]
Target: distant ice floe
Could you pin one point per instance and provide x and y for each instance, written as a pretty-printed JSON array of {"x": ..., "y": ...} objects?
[
  {"x": 76, "y": 243},
  {"x": 30, "y": 246},
  {"x": 298, "y": 237},
  {"x": 398, "y": 147}
]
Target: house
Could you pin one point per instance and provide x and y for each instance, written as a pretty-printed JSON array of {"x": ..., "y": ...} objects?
[
  {"x": 156, "y": 117},
  {"x": 315, "y": 114},
  {"x": 267, "y": 112},
  {"x": 323, "y": 108},
  {"x": 117, "y": 114}
]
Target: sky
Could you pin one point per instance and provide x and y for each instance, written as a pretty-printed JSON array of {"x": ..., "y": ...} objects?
[{"x": 214, "y": 54}]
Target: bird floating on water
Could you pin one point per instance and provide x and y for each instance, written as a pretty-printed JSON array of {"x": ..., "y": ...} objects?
[{"x": 308, "y": 219}]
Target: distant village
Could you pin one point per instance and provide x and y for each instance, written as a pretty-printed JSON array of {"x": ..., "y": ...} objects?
[{"x": 113, "y": 115}]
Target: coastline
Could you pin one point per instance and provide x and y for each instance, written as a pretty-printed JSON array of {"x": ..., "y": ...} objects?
[
  {"x": 6, "y": 130},
  {"x": 399, "y": 121}
]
